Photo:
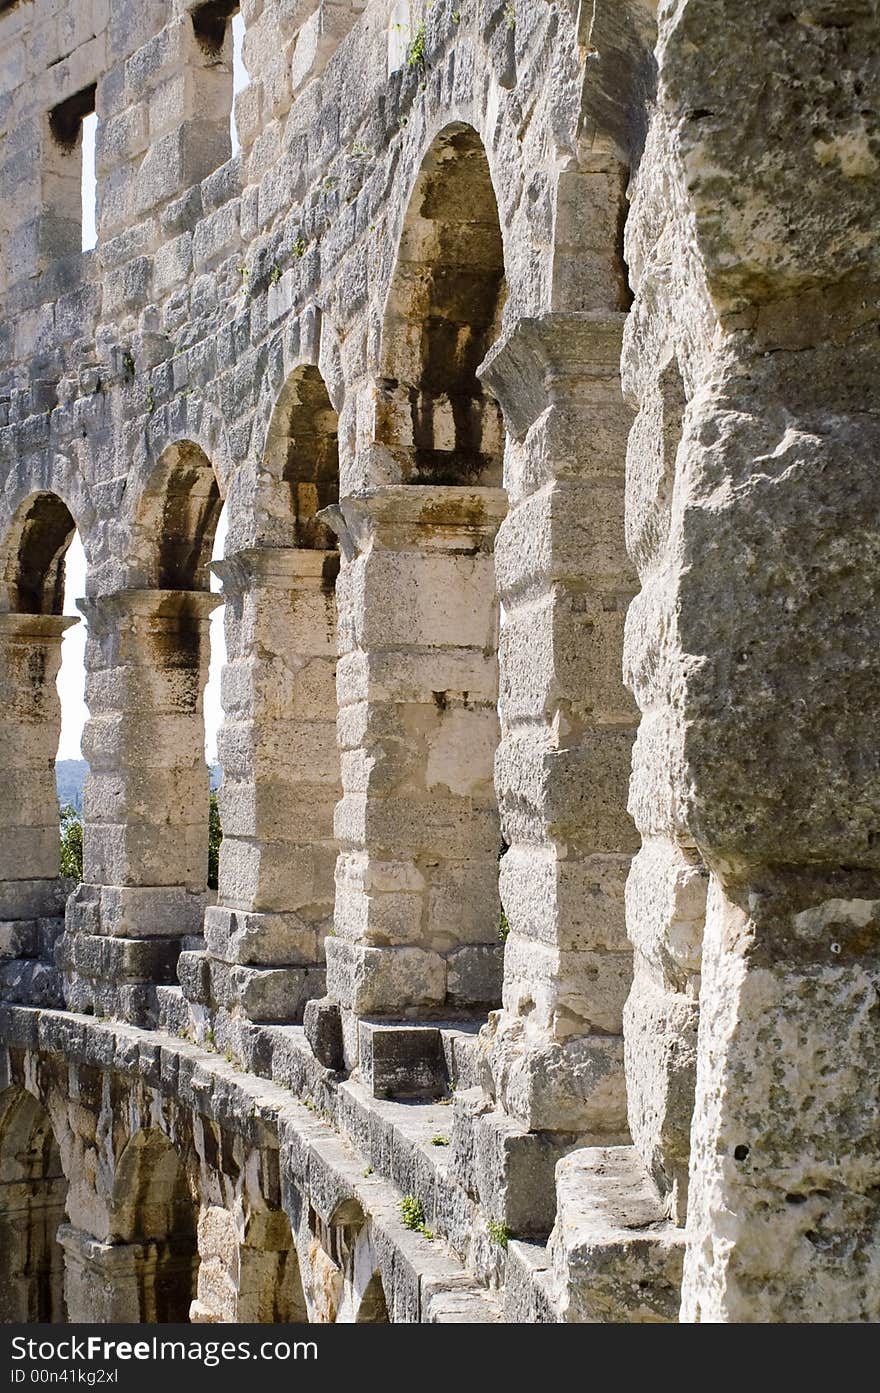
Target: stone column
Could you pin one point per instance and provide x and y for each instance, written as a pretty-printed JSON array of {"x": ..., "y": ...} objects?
[
  {"x": 146, "y": 799},
  {"x": 32, "y": 893},
  {"x": 125, "y": 1283},
  {"x": 417, "y": 911},
  {"x": 31, "y": 1271},
  {"x": 265, "y": 936},
  {"x": 555, "y": 1051}
]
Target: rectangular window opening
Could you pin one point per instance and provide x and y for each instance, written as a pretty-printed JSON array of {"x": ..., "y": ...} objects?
[
  {"x": 219, "y": 29},
  {"x": 71, "y": 170},
  {"x": 89, "y": 186}
]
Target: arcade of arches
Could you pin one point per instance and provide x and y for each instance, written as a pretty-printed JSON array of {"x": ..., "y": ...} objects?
[{"x": 538, "y": 982}]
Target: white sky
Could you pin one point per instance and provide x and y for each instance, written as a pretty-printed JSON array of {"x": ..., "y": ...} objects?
[
  {"x": 89, "y": 235},
  {"x": 240, "y": 77},
  {"x": 71, "y": 678}
]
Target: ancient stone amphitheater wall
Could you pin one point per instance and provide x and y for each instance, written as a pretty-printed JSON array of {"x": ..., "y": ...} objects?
[{"x": 531, "y": 348}]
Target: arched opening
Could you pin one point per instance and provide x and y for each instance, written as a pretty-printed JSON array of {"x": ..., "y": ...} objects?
[
  {"x": 442, "y": 315},
  {"x": 346, "y": 1242},
  {"x": 37, "y": 608},
  {"x": 373, "y": 1309},
  {"x": 33, "y": 570},
  {"x": 33, "y": 1193},
  {"x": 147, "y": 798},
  {"x": 302, "y": 450},
  {"x": 154, "y": 1211},
  {"x": 181, "y": 514}
]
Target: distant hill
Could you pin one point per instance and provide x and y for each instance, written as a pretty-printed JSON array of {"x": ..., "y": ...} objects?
[{"x": 70, "y": 775}]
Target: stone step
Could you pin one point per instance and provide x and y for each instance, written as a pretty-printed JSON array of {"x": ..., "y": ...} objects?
[{"x": 614, "y": 1255}]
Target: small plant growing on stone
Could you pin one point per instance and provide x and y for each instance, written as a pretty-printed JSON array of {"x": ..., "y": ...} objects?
[
  {"x": 368, "y": 1170},
  {"x": 415, "y": 53},
  {"x": 439, "y": 1140},
  {"x": 503, "y": 927},
  {"x": 360, "y": 150},
  {"x": 127, "y": 367},
  {"x": 412, "y": 1213},
  {"x": 456, "y": 16},
  {"x": 244, "y": 272},
  {"x": 499, "y": 1233},
  {"x": 209, "y": 1039},
  {"x": 510, "y": 15},
  {"x": 275, "y": 275},
  {"x": 299, "y": 248},
  {"x": 151, "y": 398}
]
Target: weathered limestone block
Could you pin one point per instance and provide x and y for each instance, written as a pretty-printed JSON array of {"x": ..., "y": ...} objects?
[
  {"x": 784, "y": 1215},
  {"x": 31, "y": 1284},
  {"x": 417, "y": 870},
  {"x": 613, "y": 1254}
]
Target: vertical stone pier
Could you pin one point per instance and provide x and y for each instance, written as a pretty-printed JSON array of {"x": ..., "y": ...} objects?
[
  {"x": 146, "y": 799},
  {"x": 555, "y": 1051},
  {"x": 265, "y": 936},
  {"x": 125, "y": 1283},
  {"x": 32, "y": 893},
  {"x": 417, "y": 912}
]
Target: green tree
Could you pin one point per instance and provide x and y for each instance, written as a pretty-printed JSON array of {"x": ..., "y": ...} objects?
[
  {"x": 215, "y": 837},
  {"x": 71, "y": 842}
]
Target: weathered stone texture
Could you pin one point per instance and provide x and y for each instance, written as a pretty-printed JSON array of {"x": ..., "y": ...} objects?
[{"x": 532, "y": 353}]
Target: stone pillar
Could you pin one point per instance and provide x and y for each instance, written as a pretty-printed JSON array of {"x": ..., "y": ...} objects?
[
  {"x": 32, "y": 893},
  {"x": 31, "y": 1265},
  {"x": 125, "y": 1283},
  {"x": 417, "y": 911},
  {"x": 146, "y": 800},
  {"x": 265, "y": 937},
  {"x": 555, "y": 1051}
]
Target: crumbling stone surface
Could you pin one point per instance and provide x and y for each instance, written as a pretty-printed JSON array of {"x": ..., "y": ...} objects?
[{"x": 531, "y": 351}]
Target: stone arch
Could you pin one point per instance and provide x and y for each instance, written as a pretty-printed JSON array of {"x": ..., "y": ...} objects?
[
  {"x": 373, "y": 1309},
  {"x": 443, "y": 312},
  {"x": 33, "y": 1192},
  {"x": 302, "y": 450},
  {"x": 33, "y": 554},
  {"x": 348, "y": 1242},
  {"x": 146, "y": 799},
  {"x": 153, "y": 1212},
  {"x": 178, "y": 517}
]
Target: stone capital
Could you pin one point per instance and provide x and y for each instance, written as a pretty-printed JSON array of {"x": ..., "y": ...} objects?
[
  {"x": 106, "y": 612},
  {"x": 551, "y": 358},
  {"x": 276, "y": 568},
  {"x": 38, "y": 628},
  {"x": 406, "y": 517}
]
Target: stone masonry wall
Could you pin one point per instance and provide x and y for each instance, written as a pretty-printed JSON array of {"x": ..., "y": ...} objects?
[{"x": 529, "y": 347}]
